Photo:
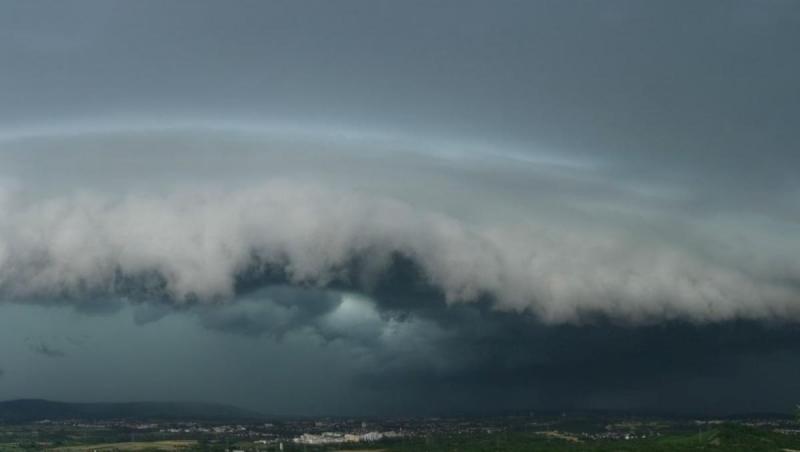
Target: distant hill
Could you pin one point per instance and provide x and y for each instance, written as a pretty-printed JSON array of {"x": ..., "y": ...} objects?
[{"x": 26, "y": 410}]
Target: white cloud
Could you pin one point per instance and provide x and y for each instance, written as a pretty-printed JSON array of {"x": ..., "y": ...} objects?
[{"x": 562, "y": 243}]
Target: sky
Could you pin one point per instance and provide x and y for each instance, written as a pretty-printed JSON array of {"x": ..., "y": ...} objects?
[{"x": 402, "y": 208}]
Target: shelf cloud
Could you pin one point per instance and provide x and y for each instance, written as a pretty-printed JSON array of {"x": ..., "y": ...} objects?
[
  {"x": 565, "y": 256},
  {"x": 433, "y": 207}
]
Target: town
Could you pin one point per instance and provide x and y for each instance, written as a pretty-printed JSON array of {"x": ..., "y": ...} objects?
[{"x": 549, "y": 431}]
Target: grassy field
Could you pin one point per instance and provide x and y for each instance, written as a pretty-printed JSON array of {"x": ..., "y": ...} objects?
[{"x": 130, "y": 446}]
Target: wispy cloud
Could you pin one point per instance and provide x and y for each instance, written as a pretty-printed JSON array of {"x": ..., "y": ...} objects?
[{"x": 47, "y": 350}]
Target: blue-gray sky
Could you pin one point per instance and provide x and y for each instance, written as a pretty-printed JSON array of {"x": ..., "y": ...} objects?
[{"x": 415, "y": 206}]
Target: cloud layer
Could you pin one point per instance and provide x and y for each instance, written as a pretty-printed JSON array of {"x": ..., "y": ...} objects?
[
  {"x": 594, "y": 254},
  {"x": 427, "y": 205}
]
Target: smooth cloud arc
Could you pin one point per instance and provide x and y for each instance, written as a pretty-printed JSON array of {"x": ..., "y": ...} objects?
[{"x": 196, "y": 244}]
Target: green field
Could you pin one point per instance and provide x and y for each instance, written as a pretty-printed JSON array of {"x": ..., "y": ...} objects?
[
  {"x": 130, "y": 446},
  {"x": 174, "y": 445}
]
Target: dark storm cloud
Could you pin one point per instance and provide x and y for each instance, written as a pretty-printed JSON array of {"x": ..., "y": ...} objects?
[
  {"x": 435, "y": 358},
  {"x": 273, "y": 311},
  {"x": 492, "y": 359},
  {"x": 484, "y": 204}
]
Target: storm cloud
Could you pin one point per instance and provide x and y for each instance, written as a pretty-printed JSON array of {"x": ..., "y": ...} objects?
[
  {"x": 201, "y": 244},
  {"x": 433, "y": 358},
  {"x": 459, "y": 206}
]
